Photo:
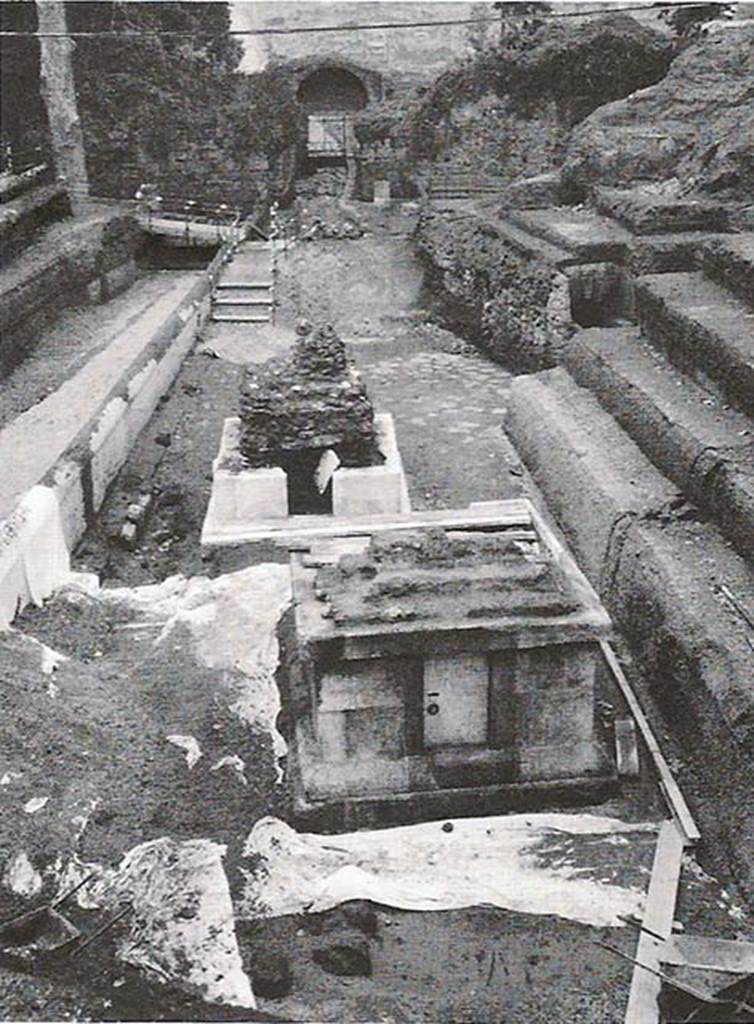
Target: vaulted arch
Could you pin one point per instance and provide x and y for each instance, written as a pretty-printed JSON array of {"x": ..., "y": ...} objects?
[{"x": 332, "y": 89}]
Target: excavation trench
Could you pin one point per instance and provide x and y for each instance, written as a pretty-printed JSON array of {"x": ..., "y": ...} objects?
[{"x": 192, "y": 680}]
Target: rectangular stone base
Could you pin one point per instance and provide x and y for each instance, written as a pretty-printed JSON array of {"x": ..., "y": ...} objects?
[
  {"x": 343, "y": 813},
  {"x": 244, "y": 502}
]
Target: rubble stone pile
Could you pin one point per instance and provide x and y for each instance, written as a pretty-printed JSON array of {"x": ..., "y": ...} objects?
[
  {"x": 309, "y": 402},
  {"x": 435, "y": 576}
]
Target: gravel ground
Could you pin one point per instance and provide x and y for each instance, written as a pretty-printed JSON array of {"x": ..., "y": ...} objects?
[{"x": 448, "y": 402}]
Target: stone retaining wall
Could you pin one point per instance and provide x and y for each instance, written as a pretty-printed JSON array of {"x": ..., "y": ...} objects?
[{"x": 77, "y": 483}]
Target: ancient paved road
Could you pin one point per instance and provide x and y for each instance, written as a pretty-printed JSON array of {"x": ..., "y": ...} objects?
[{"x": 448, "y": 408}]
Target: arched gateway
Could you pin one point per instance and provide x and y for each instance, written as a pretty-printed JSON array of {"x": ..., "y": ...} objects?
[{"x": 329, "y": 94}]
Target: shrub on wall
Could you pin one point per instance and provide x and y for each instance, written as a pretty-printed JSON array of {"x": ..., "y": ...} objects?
[
  {"x": 172, "y": 109},
  {"x": 578, "y": 67},
  {"x": 490, "y": 292}
]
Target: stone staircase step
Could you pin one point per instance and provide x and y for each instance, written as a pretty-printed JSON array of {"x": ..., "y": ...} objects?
[
  {"x": 730, "y": 262},
  {"x": 239, "y": 299},
  {"x": 251, "y": 285},
  {"x": 705, "y": 449},
  {"x": 705, "y": 331},
  {"x": 646, "y": 214},
  {"x": 590, "y": 236},
  {"x": 666, "y": 254},
  {"x": 238, "y": 318},
  {"x": 658, "y": 568},
  {"x": 526, "y": 243},
  {"x": 599, "y": 474}
]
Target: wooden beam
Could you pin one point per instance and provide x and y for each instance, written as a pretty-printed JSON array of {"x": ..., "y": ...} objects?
[
  {"x": 670, "y": 789},
  {"x": 643, "y": 1006},
  {"x": 300, "y": 532}
]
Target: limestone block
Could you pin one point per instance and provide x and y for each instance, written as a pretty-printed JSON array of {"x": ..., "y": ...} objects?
[
  {"x": 251, "y": 494},
  {"x": 109, "y": 446},
  {"x": 118, "y": 279},
  {"x": 373, "y": 489},
  {"x": 560, "y": 760},
  {"x": 69, "y": 490}
]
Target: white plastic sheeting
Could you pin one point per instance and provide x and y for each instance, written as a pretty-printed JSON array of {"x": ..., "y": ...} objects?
[
  {"x": 493, "y": 861},
  {"x": 182, "y": 927},
  {"x": 21, "y": 877},
  {"x": 232, "y": 620},
  {"x": 34, "y": 558}
]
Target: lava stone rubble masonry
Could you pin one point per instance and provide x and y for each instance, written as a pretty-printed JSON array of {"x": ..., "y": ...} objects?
[{"x": 310, "y": 401}]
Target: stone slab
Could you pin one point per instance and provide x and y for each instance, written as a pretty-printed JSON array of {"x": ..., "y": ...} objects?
[
  {"x": 375, "y": 490},
  {"x": 657, "y": 573},
  {"x": 588, "y": 235},
  {"x": 57, "y": 420},
  {"x": 249, "y": 494},
  {"x": 706, "y": 449},
  {"x": 730, "y": 262},
  {"x": 706, "y": 332},
  {"x": 590, "y": 468},
  {"x": 647, "y": 214},
  {"x": 77, "y": 464}
]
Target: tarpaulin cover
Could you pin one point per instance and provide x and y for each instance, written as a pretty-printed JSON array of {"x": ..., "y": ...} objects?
[
  {"x": 536, "y": 863},
  {"x": 34, "y": 558}
]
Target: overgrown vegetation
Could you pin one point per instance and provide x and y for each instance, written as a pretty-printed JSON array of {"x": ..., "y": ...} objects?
[
  {"x": 509, "y": 108},
  {"x": 173, "y": 109},
  {"x": 24, "y": 132},
  {"x": 576, "y": 68}
]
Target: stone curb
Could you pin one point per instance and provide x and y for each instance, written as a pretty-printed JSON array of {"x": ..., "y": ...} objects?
[
  {"x": 610, "y": 501},
  {"x": 705, "y": 449},
  {"x": 79, "y": 478}
]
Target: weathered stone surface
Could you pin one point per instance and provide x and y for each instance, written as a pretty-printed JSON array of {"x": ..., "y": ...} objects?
[
  {"x": 532, "y": 192},
  {"x": 647, "y": 212},
  {"x": 428, "y": 575},
  {"x": 271, "y": 975},
  {"x": 697, "y": 124},
  {"x": 346, "y": 960},
  {"x": 307, "y": 403},
  {"x": 705, "y": 331},
  {"x": 705, "y": 448},
  {"x": 730, "y": 262}
]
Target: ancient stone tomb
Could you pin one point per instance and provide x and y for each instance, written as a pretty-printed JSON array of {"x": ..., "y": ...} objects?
[
  {"x": 441, "y": 669},
  {"x": 307, "y": 442}
]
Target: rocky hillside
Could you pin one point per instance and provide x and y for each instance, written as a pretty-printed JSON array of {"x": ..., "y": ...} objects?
[{"x": 696, "y": 125}]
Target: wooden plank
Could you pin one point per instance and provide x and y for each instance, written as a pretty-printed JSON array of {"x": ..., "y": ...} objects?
[
  {"x": 298, "y": 532},
  {"x": 671, "y": 791},
  {"x": 567, "y": 564},
  {"x": 709, "y": 954},
  {"x": 643, "y": 1007}
]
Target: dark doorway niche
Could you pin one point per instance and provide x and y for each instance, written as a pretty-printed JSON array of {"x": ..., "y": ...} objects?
[
  {"x": 600, "y": 294},
  {"x": 156, "y": 255},
  {"x": 332, "y": 90},
  {"x": 304, "y": 498}
]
